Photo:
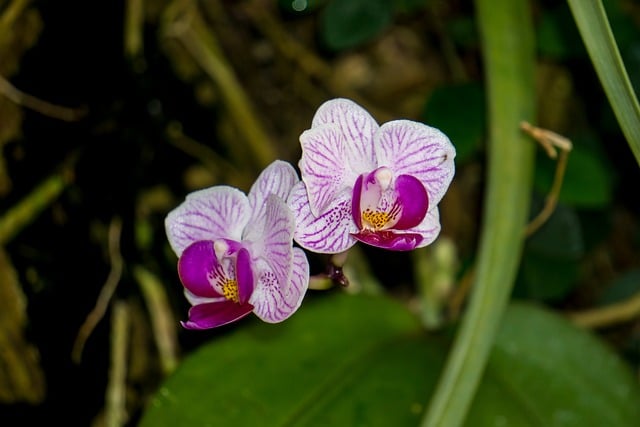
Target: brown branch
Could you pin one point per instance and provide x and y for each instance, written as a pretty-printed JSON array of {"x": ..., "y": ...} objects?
[
  {"x": 36, "y": 104},
  {"x": 106, "y": 293},
  {"x": 162, "y": 320},
  {"x": 549, "y": 142},
  {"x": 609, "y": 315}
]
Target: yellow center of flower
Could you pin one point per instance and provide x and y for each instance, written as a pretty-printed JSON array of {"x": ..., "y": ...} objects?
[
  {"x": 375, "y": 219},
  {"x": 230, "y": 290}
]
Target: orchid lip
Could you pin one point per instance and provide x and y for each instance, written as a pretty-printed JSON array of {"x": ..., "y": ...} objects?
[
  {"x": 245, "y": 278},
  {"x": 381, "y": 201},
  {"x": 221, "y": 268},
  {"x": 211, "y": 315},
  {"x": 388, "y": 239},
  {"x": 197, "y": 265},
  {"x": 414, "y": 199}
]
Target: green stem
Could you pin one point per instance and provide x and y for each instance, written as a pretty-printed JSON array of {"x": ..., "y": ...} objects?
[
  {"x": 26, "y": 211},
  {"x": 592, "y": 22},
  {"x": 508, "y": 46}
]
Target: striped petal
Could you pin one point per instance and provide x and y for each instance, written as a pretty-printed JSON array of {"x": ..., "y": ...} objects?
[
  {"x": 278, "y": 178},
  {"x": 323, "y": 166},
  {"x": 274, "y": 302},
  {"x": 429, "y": 228},
  {"x": 356, "y": 125},
  {"x": 271, "y": 237},
  {"x": 210, "y": 214},
  {"x": 330, "y": 231},
  {"x": 412, "y": 148}
]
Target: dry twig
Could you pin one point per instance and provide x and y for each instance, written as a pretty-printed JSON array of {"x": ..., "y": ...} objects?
[
  {"x": 550, "y": 141},
  {"x": 106, "y": 293}
]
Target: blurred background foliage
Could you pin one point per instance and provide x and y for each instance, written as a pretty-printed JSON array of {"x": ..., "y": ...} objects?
[{"x": 111, "y": 112}]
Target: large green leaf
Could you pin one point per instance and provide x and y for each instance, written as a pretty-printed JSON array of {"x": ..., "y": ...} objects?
[
  {"x": 553, "y": 374},
  {"x": 339, "y": 361},
  {"x": 364, "y": 361}
]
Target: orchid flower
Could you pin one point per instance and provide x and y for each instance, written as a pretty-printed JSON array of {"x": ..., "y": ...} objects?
[
  {"x": 236, "y": 253},
  {"x": 380, "y": 185}
]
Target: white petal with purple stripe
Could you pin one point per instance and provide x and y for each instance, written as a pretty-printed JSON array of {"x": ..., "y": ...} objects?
[
  {"x": 210, "y": 214},
  {"x": 413, "y": 148}
]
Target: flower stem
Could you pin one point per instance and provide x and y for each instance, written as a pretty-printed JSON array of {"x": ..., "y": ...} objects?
[{"x": 508, "y": 48}]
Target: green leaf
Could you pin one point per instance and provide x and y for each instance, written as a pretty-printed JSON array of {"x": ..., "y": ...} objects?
[
  {"x": 364, "y": 361},
  {"x": 349, "y": 23},
  {"x": 545, "y": 278},
  {"x": 459, "y": 111},
  {"x": 554, "y": 374},
  {"x": 588, "y": 181},
  {"x": 339, "y": 361},
  {"x": 591, "y": 19}
]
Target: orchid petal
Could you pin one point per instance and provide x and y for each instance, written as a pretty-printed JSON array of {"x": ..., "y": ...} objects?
[
  {"x": 413, "y": 198},
  {"x": 274, "y": 302},
  {"x": 429, "y": 228},
  {"x": 278, "y": 178},
  {"x": 272, "y": 237},
  {"x": 197, "y": 269},
  {"x": 412, "y": 148},
  {"x": 323, "y": 165},
  {"x": 299, "y": 282},
  {"x": 244, "y": 276},
  {"x": 330, "y": 231},
  {"x": 356, "y": 125},
  {"x": 210, "y": 214},
  {"x": 211, "y": 315}
]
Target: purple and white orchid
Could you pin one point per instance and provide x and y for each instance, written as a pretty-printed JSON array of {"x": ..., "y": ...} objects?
[
  {"x": 236, "y": 253},
  {"x": 380, "y": 185}
]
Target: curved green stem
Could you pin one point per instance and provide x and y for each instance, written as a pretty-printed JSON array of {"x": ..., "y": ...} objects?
[
  {"x": 592, "y": 22},
  {"x": 26, "y": 210},
  {"x": 508, "y": 47}
]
